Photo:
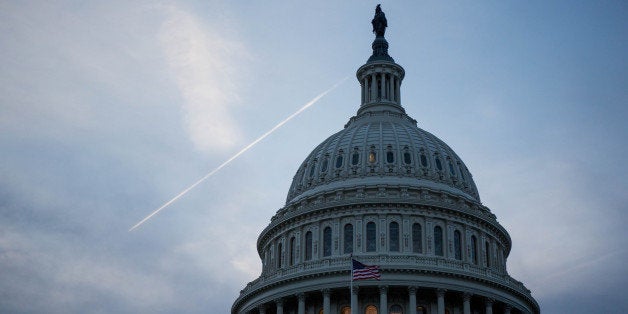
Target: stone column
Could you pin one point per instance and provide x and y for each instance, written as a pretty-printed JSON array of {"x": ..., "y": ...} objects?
[
  {"x": 466, "y": 303},
  {"x": 384, "y": 89},
  {"x": 326, "y": 301},
  {"x": 373, "y": 87},
  {"x": 397, "y": 91},
  {"x": 279, "y": 303},
  {"x": 383, "y": 299},
  {"x": 412, "y": 299},
  {"x": 440, "y": 294},
  {"x": 489, "y": 306},
  {"x": 354, "y": 300},
  {"x": 262, "y": 309},
  {"x": 301, "y": 297},
  {"x": 507, "y": 309}
]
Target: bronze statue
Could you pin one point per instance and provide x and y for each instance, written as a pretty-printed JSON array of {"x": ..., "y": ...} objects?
[{"x": 379, "y": 22}]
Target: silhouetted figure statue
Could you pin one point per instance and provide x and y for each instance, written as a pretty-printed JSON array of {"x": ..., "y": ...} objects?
[{"x": 379, "y": 22}]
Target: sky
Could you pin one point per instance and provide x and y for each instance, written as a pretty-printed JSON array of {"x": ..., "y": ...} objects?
[{"x": 108, "y": 109}]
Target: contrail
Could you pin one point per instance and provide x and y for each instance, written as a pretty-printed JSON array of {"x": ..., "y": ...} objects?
[{"x": 242, "y": 151}]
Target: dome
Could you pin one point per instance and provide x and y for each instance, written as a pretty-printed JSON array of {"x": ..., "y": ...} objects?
[
  {"x": 382, "y": 149},
  {"x": 383, "y": 217}
]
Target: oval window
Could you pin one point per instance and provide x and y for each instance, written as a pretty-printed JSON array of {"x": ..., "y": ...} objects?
[
  {"x": 390, "y": 157},
  {"x": 407, "y": 158},
  {"x": 339, "y": 161}
]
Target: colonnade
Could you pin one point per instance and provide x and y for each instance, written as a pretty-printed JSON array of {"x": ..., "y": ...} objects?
[
  {"x": 382, "y": 307},
  {"x": 380, "y": 86}
]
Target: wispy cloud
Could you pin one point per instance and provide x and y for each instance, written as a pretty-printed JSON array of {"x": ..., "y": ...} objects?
[{"x": 205, "y": 65}]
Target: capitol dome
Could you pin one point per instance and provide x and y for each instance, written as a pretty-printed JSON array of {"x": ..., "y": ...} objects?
[{"x": 383, "y": 193}]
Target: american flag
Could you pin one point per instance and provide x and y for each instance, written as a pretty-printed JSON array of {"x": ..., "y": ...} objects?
[{"x": 361, "y": 271}]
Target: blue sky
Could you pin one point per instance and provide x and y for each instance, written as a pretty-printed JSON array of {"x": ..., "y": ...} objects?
[{"x": 109, "y": 109}]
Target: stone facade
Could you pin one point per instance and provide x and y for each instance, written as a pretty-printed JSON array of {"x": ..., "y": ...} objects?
[{"x": 387, "y": 193}]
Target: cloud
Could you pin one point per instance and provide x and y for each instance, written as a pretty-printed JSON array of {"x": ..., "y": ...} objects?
[{"x": 206, "y": 66}]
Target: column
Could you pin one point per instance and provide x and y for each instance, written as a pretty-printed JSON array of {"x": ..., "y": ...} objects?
[
  {"x": 383, "y": 299},
  {"x": 262, "y": 309},
  {"x": 384, "y": 89},
  {"x": 279, "y": 303},
  {"x": 440, "y": 293},
  {"x": 412, "y": 299},
  {"x": 507, "y": 308},
  {"x": 373, "y": 87},
  {"x": 489, "y": 306},
  {"x": 326, "y": 301},
  {"x": 466, "y": 303},
  {"x": 397, "y": 93},
  {"x": 354, "y": 300},
  {"x": 301, "y": 297}
]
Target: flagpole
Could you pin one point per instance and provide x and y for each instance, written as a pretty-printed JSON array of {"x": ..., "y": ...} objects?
[{"x": 353, "y": 302}]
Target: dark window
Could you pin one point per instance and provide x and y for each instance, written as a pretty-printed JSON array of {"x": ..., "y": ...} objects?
[
  {"x": 420, "y": 310},
  {"x": 451, "y": 169},
  {"x": 488, "y": 254},
  {"x": 355, "y": 158},
  {"x": 390, "y": 157},
  {"x": 393, "y": 230},
  {"x": 396, "y": 309},
  {"x": 407, "y": 158},
  {"x": 457, "y": 245},
  {"x": 423, "y": 160},
  {"x": 371, "y": 235},
  {"x": 417, "y": 234},
  {"x": 308, "y": 246},
  {"x": 279, "y": 249},
  {"x": 292, "y": 250},
  {"x": 327, "y": 241},
  {"x": 474, "y": 250},
  {"x": 339, "y": 161},
  {"x": 438, "y": 241},
  {"x": 348, "y": 238},
  {"x": 324, "y": 166},
  {"x": 438, "y": 164},
  {"x": 461, "y": 172}
]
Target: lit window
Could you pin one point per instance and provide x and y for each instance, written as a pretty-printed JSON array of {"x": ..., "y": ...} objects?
[
  {"x": 371, "y": 309},
  {"x": 372, "y": 158},
  {"x": 390, "y": 157},
  {"x": 371, "y": 234},
  {"x": 438, "y": 241},
  {"x": 348, "y": 238},
  {"x": 393, "y": 230},
  {"x": 345, "y": 310},
  {"x": 327, "y": 241},
  {"x": 416, "y": 238}
]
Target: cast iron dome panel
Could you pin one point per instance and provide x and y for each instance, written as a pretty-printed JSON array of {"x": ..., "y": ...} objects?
[{"x": 378, "y": 148}]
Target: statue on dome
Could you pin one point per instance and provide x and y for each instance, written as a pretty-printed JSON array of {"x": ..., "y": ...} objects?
[{"x": 379, "y": 22}]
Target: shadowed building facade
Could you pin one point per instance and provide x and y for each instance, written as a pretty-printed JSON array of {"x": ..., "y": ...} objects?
[{"x": 390, "y": 194}]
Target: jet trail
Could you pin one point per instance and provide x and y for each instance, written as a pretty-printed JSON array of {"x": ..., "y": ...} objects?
[{"x": 242, "y": 151}]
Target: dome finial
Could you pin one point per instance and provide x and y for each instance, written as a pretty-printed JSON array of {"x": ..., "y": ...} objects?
[{"x": 379, "y": 22}]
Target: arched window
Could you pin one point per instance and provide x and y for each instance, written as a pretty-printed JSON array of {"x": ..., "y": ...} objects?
[
  {"x": 396, "y": 309},
  {"x": 292, "y": 251},
  {"x": 348, "y": 239},
  {"x": 372, "y": 157},
  {"x": 438, "y": 241},
  {"x": 339, "y": 160},
  {"x": 461, "y": 172},
  {"x": 423, "y": 160},
  {"x": 451, "y": 169},
  {"x": 390, "y": 157},
  {"x": 488, "y": 254},
  {"x": 371, "y": 309},
  {"x": 439, "y": 166},
  {"x": 345, "y": 310},
  {"x": 417, "y": 234},
  {"x": 371, "y": 234},
  {"x": 420, "y": 309},
  {"x": 393, "y": 237},
  {"x": 474, "y": 250},
  {"x": 327, "y": 241},
  {"x": 279, "y": 254},
  {"x": 355, "y": 159},
  {"x": 308, "y": 246},
  {"x": 457, "y": 245},
  {"x": 407, "y": 158}
]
